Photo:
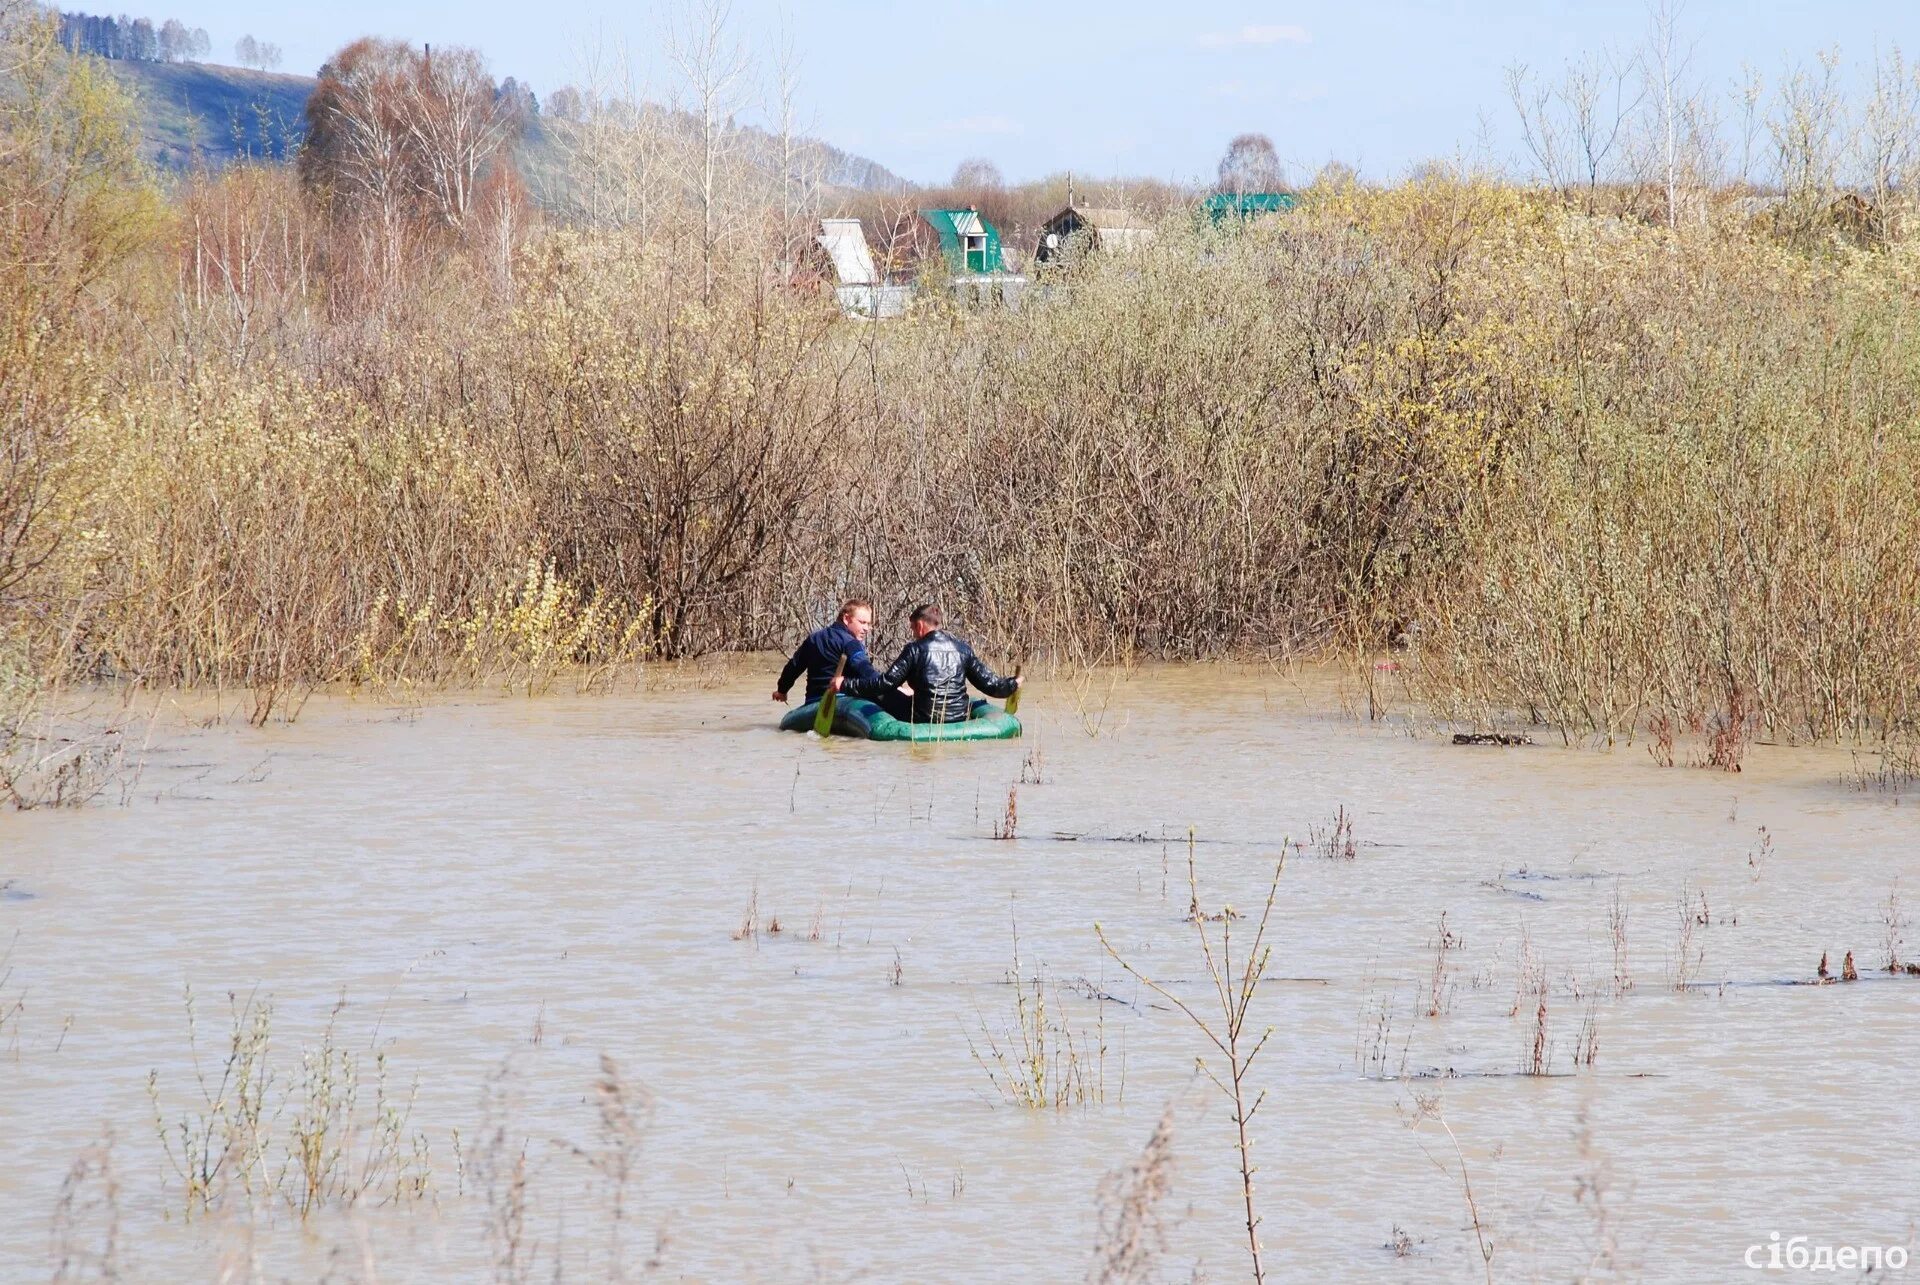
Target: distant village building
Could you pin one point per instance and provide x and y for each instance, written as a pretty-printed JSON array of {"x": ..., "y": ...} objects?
[
  {"x": 975, "y": 263},
  {"x": 859, "y": 287},
  {"x": 1247, "y": 206},
  {"x": 1085, "y": 227}
]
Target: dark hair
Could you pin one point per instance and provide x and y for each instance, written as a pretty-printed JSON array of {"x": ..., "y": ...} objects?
[
  {"x": 926, "y": 614},
  {"x": 848, "y": 607}
]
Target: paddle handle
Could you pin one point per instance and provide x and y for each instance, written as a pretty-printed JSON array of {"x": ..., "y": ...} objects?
[
  {"x": 823, "y": 717},
  {"x": 1013, "y": 701}
]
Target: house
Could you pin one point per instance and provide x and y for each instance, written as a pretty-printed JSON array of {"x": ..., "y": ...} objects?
[
  {"x": 970, "y": 244},
  {"x": 1096, "y": 228},
  {"x": 1247, "y": 206},
  {"x": 975, "y": 263},
  {"x": 860, "y": 287}
]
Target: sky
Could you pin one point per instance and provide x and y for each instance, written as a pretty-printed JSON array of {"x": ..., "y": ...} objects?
[{"x": 1128, "y": 87}]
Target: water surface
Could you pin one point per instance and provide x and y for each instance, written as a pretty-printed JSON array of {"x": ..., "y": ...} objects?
[{"x": 496, "y": 883}]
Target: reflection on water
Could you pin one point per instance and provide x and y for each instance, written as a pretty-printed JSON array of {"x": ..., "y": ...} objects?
[{"x": 538, "y": 883}]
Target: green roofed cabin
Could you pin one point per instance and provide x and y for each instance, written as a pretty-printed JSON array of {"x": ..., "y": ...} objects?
[
  {"x": 970, "y": 243},
  {"x": 975, "y": 262},
  {"x": 1247, "y": 205}
]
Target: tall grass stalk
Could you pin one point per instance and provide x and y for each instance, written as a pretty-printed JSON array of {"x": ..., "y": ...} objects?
[{"x": 1235, "y": 986}]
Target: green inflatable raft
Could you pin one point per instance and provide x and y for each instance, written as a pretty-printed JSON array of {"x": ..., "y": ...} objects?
[{"x": 863, "y": 718}]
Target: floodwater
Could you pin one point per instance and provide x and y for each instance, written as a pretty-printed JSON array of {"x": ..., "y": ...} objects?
[{"x": 499, "y": 891}]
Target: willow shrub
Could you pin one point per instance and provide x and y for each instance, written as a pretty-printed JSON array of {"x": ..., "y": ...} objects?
[
  {"x": 1712, "y": 512},
  {"x": 1597, "y": 472}
]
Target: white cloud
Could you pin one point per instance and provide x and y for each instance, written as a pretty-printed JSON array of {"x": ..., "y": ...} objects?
[{"x": 1256, "y": 34}]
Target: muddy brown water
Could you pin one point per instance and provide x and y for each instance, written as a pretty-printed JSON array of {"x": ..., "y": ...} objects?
[{"x": 492, "y": 881}]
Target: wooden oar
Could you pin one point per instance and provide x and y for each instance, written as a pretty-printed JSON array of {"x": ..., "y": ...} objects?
[
  {"x": 1013, "y": 701},
  {"x": 823, "y": 717}
]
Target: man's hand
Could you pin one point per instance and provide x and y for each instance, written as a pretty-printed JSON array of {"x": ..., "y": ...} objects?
[
  {"x": 839, "y": 684},
  {"x": 780, "y": 696}
]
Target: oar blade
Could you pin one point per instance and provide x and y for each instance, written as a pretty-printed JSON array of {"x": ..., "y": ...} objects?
[
  {"x": 823, "y": 717},
  {"x": 1013, "y": 701}
]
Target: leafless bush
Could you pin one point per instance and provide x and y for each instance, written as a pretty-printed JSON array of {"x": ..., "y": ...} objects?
[
  {"x": 1375, "y": 1054},
  {"x": 1691, "y": 915},
  {"x": 1039, "y": 1059},
  {"x": 1132, "y": 1229},
  {"x": 1008, "y": 826},
  {"x": 1429, "y": 1107},
  {"x": 1235, "y": 986},
  {"x": 58, "y": 763},
  {"x": 1894, "y": 924},
  {"x": 86, "y": 1221},
  {"x": 1335, "y": 841},
  {"x": 226, "y": 1146},
  {"x": 1440, "y": 979},
  {"x": 1617, "y": 916},
  {"x": 625, "y": 1115},
  {"x": 1596, "y": 1192}
]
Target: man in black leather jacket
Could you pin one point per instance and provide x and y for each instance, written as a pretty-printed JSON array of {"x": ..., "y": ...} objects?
[{"x": 938, "y": 667}]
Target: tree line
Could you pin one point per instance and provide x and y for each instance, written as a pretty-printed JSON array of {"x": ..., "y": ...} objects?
[
  {"x": 133, "y": 39},
  {"x": 141, "y": 40}
]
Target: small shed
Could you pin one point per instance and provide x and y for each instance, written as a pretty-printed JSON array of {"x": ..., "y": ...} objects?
[
  {"x": 845, "y": 242},
  {"x": 1097, "y": 229},
  {"x": 859, "y": 289},
  {"x": 1247, "y": 206}
]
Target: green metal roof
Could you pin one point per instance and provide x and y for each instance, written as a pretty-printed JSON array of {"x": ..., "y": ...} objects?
[
  {"x": 970, "y": 244},
  {"x": 1247, "y": 204}
]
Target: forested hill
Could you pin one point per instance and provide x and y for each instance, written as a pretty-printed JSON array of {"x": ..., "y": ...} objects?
[
  {"x": 222, "y": 114},
  {"x": 217, "y": 114}
]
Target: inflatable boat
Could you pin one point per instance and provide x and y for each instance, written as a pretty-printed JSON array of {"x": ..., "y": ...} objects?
[{"x": 863, "y": 718}]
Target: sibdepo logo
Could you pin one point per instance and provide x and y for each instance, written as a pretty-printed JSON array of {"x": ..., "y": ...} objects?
[{"x": 1797, "y": 1254}]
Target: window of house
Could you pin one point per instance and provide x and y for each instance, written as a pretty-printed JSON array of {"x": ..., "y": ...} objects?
[{"x": 976, "y": 248}]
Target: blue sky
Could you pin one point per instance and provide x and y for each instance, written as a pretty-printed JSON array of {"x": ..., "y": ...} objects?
[{"x": 1127, "y": 86}]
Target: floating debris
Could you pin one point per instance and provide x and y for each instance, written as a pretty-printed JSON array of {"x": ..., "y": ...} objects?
[{"x": 1491, "y": 738}]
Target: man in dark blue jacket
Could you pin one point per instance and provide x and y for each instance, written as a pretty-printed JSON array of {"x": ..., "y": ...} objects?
[
  {"x": 821, "y": 652},
  {"x": 938, "y": 667}
]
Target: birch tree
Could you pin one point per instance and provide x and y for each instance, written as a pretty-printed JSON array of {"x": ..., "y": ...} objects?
[
  {"x": 1667, "y": 64},
  {"x": 613, "y": 143},
  {"x": 456, "y": 123},
  {"x": 1572, "y": 128},
  {"x": 799, "y": 157},
  {"x": 1886, "y": 145},
  {"x": 713, "y": 71}
]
